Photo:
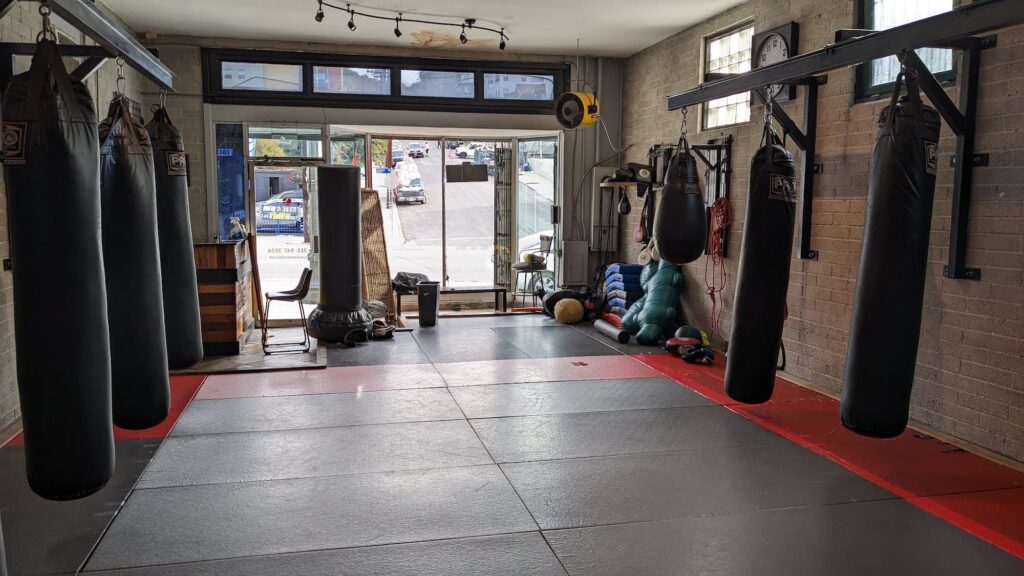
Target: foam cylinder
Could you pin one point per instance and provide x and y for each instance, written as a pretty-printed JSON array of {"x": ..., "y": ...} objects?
[{"x": 611, "y": 331}]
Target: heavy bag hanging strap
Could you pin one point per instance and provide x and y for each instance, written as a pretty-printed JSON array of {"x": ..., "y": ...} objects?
[{"x": 46, "y": 64}]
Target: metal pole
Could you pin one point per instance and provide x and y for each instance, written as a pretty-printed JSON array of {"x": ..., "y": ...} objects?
[{"x": 807, "y": 170}]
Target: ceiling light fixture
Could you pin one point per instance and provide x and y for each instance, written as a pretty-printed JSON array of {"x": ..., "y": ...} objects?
[{"x": 399, "y": 18}]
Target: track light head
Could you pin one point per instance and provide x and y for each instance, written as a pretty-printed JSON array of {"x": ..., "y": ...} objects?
[
  {"x": 352, "y": 23},
  {"x": 319, "y": 15},
  {"x": 462, "y": 36},
  {"x": 501, "y": 43},
  {"x": 398, "y": 31}
]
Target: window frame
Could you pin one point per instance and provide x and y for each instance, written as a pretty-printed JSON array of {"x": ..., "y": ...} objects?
[
  {"x": 864, "y": 88},
  {"x": 750, "y": 23},
  {"x": 215, "y": 93}
]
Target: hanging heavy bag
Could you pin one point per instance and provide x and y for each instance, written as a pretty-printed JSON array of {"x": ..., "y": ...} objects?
[
  {"x": 138, "y": 349},
  {"x": 888, "y": 298},
  {"x": 763, "y": 276},
  {"x": 51, "y": 168},
  {"x": 177, "y": 262},
  {"x": 680, "y": 224}
]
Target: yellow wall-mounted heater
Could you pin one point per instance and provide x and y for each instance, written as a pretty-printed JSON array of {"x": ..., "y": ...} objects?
[{"x": 577, "y": 110}]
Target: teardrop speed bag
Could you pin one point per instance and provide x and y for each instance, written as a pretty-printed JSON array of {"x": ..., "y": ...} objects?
[
  {"x": 51, "y": 168},
  {"x": 887, "y": 301},
  {"x": 135, "y": 308},
  {"x": 680, "y": 222},
  {"x": 763, "y": 277},
  {"x": 177, "y": 262}
]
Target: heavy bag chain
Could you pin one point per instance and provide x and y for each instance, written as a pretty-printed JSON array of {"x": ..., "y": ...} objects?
[
  {"x": 48, "y": 32},
  {"x": 120, "y": 84},
  {"x": 684, "y": 144}
]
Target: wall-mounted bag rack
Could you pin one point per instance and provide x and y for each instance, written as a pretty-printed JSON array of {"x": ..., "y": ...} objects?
[
  {"x": 112, "y": 39},
  {"x": 957, "y": 29}
]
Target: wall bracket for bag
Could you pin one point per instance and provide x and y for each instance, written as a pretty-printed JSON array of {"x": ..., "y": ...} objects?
[
  {"x": 114, "y": 41},
  {"x": 958, "y": 28}
]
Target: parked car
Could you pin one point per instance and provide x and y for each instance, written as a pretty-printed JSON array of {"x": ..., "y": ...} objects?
[
  {"x": 282, "y": 213},
  {"x": 409, "y": 191},
  {"x": 397, "y": 156},
  {"x": 416, "y": 150}
]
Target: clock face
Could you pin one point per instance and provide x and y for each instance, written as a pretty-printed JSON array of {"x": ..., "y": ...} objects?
[{"x": 772, "y": 50}]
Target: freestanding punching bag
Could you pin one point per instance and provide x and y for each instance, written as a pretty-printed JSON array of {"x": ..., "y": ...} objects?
[
  {"x": 889, "y": 295},
  {"x": 51, "y": 159},
  {"x": 131, "y": 254},
  {"x": 680, "y": 222},
  {"x": 763, "y": 277},
  {"x": 177, "y": 262},
  {"x": 340, "y": 316}
]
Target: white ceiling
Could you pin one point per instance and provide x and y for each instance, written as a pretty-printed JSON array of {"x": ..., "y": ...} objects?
[{"x": 604, "y": 27}]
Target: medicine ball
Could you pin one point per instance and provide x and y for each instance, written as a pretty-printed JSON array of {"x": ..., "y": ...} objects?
[
  {"x": 550, "y": 299},
  {"x": 569, "y": 311}
]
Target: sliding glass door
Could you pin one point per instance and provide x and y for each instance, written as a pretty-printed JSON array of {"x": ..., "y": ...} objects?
[{"x": 535, "y": 196}]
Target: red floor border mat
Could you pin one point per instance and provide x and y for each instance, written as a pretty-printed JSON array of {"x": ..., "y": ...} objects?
[
  {"x": 969, "y": 491},
  {"x": 183, "y": 389}
]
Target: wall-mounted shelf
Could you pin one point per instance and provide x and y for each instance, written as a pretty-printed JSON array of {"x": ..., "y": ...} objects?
[{"x": 958, "y": 28}]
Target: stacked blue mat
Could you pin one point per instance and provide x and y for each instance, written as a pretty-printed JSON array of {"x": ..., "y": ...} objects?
[{"x": 622, "y": 287}]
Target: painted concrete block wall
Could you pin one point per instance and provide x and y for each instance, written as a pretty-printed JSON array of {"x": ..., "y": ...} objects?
[
  {"x": 22, "y": 25},
  {"x": 970, "y": 366}
]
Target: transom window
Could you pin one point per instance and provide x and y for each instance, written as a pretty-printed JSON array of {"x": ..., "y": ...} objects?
[
  {"x": 728, "y": 53},
  {"x": 307, "y": 79},
  {"x": 878, "y": 76}
]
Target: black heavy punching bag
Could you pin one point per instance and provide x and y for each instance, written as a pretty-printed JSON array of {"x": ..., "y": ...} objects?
[
  {"x": 131, "y": 255},
  {"x": 177, "y": 262},
  {"x": 890, "y": 284},
  {"x": 680, "y": 222},
  {"x": 763, "y": 276},
  {"x": 51, "y": 167},
  {"x": 340, "y": 316}
]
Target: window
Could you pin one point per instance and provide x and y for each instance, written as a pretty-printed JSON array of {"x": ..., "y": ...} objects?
[
  {"x": 438, "y": 84},
  {"x": 728, "y": 53},
  {"x": 345, "y": 80},
  {"x": 877, "y": 76},
  {"x": 284, "y": 142},
  {"x": 261, "y": 76},
  {"x": 519, "y": 87}
]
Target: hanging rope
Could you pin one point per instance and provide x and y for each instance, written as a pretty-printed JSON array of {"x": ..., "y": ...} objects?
[{"x": 721, "y": 219}]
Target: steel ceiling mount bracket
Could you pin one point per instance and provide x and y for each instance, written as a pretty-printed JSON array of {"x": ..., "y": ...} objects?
[
  {"x": 955, "y": 29},
  {"x": 114, "y": 41}
]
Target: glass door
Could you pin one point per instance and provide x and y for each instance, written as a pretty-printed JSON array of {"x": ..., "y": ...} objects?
[
  {"x": 469, "y": 211},
  {"x": 535, "y": 195},
  {"x": 407, "y": 177}
]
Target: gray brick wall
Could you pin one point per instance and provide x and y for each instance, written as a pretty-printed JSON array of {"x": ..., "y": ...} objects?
[
  {"x": 22, "y": 25},
  {"x": 970, "y": 371}
]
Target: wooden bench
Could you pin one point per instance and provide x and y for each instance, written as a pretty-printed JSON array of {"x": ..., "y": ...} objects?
[{"x": 500, "y": 295}]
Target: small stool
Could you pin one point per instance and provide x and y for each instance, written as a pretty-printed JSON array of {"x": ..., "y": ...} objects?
[
  {"x": 296, "y": 294},
  {"x": 534, "y": 266}
]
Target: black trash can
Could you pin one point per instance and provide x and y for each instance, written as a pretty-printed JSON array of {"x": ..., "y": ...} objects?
[{"x": 428, "y": 296}]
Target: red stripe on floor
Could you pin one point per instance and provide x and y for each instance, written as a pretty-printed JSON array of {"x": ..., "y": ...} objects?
[
  {"x": 323, "y": 381},
  {"x": 543, "y": 370},
  {"x": 183, "y": 389},
  {"x": 967, "y": 490}
]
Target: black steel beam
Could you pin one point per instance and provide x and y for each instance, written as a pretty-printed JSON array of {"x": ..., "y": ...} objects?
[
  {"x": 846, "y": 34},
  {"x": 27, "y": 49},
  {"x": 6, "y": 6},
  {"x": 95, "y": 24},
  {"x": 88, "y": 67},
  {"x": 938, "y": 97},
  {"x": 808, "y": 168},
  {"x": 970, "y": 68},
  {"x": 975, "y": 18}
]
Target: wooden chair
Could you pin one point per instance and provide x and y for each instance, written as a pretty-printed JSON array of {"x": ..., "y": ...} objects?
[{"x": 533, "y": 267}]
